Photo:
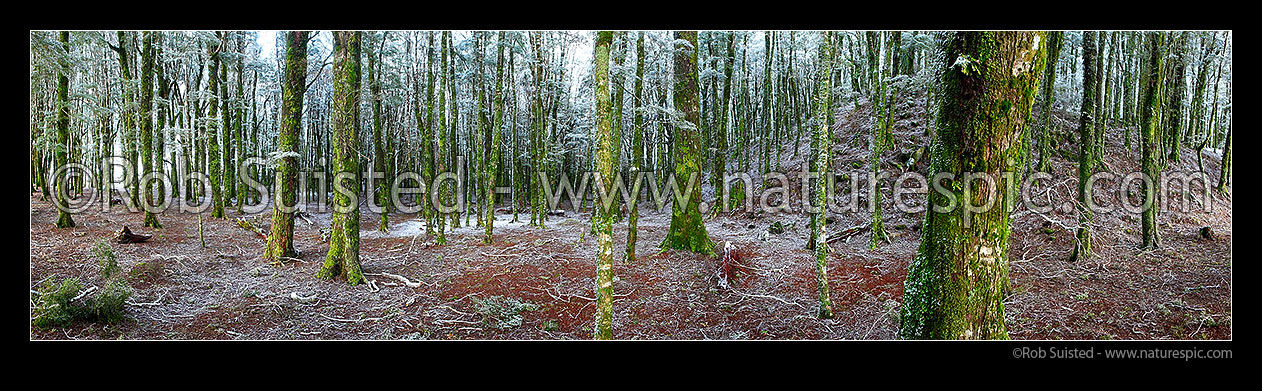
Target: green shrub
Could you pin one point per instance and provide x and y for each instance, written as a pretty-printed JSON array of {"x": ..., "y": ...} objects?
[
  {"x": 503, "y": 312},
  {"x": 52, "y": 306},
  {"x": 108, "y": 305},
  {"x": 106, "y": 257}
]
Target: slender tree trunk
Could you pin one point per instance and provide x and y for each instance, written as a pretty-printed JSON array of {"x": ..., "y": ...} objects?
[
  {"x": 212, "y": 133},
  {"x": 1054, "y": 41},
  {"x": 605, "y": 164},
  {"x": 64, "y": 220},
  {"x": 146, "y": 127},
  {"x": 343, "y": 258},
  {"x": 637, "y": 149},
  {"x": 1086, "y": 145},
  {"x": 822, "y": 161},
  {"x": 281, "y": 242}
]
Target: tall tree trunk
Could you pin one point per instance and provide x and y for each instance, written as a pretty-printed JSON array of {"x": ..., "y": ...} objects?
[
  {"x": 437, "y": 131},
  {"x": 381, "y": 188},
  {"x": 212, "y": 132},
  {"x": 954, "y": 286},
  {"x": 64, "y": 220},
  {"x": 1054, "y": 41},
  {"x": 281, "y": 242},
  {"x": 1224, "y": 176},
  {"x": 1086, "y": 145},
  {"x": 1150, "y": 107},
  {"x": 822, "y": 161},
  {"x": 343, "y": 258},
  {"x": 605, "y": 164},
  {"x": 637, "y": 149},
  {"x": 687, "y": 230},
  {"x": 146, "y": 127}
]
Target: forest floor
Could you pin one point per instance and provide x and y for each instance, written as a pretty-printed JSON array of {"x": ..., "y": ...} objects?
[{"x": 536, "y": 283}]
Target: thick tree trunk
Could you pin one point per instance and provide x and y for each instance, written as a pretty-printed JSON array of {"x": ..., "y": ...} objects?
[
  {"x": 1149, "y": 107},
  {"x": 954, "y": 286},
  {"x": 687, "y": 230}
]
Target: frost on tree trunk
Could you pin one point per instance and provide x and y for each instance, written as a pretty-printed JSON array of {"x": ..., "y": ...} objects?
[
  {"x": 605, "y": 165},
  {"x": 954, "y": 286},
  {"x": 63, "y": 134},
  {"x": 343, "y": 258},
  {"x": 281, "y": 242},
  {"x": 687, "y": 231},
  {"x": 1150, "y": 106}
]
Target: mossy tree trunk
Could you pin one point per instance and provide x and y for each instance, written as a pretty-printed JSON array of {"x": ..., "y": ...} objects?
[
  {"x": 146, "y": 126},
  {"x": 343, "y": 258},
  {"x": 1150, "y": 106},
  {"x": 227, "y": 135},
  {"x": 212, "y": 132},
  {"x": 64, "y": 220},
  {"x": 605, "y": 165},
  {"x": 1174, "y": 115},
  {"x": 382, "y": 188},
  {"x": 281, "y": 242},
  {"x": 1224, "y": 175},
  {"x": 687, "y": 230},
  {"x": 1087, "y": 142},
  {"x": 238, "y": 127},
  {"x": 492, "y": 141},
  {"x": 637, "y": 148},
  {"x": 1054, "y": 41},
  {"x": 822, "y": 161},
  {"x": 954, "y": 287}
]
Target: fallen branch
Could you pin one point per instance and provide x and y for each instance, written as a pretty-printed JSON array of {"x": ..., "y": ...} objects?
[
  {"x": 402, "y": 279},
  {"x": 158, "y": 302},
  {"x": 301, "y": 299},
  {"x": 303, "y": 216},
  {"x": 291, "y": 259},
  {"x": 84, "y": 293},
  {"x": 249, "y": 226},
  {"x": 846, "y": 233},
  {"x": 349, "y": 320}
]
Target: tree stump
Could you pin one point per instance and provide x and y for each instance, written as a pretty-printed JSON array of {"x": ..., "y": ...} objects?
[
  {"x": 1207, "y": 233},
  {"x": 126, "y": 236}
]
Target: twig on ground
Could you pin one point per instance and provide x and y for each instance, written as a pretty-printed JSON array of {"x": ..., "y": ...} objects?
[
  {"x": 402, "y": 279},
  {"x": 349, "y": 320}
]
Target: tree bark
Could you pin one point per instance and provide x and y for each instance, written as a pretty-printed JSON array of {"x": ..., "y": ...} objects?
[
  {"x": 687, "y": 230},
  {"x": 343, "y": 258},
  {"x": 280, "y": 244},
  {"x": 954, "y": 286}
]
